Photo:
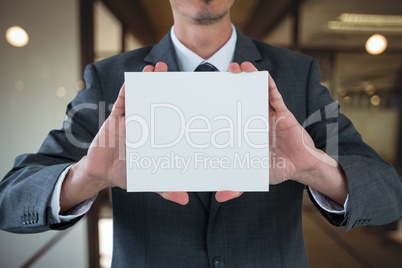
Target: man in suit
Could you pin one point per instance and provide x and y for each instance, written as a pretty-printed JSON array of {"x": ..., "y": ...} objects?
[{"x": 55, "y": 187}]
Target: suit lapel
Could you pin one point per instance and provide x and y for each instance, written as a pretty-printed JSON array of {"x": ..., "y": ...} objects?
[
  {"x": 164, "y": 52},
  {"x": 246, "y": 50}
]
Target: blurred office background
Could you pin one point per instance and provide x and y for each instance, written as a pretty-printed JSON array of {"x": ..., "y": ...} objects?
[{"x": 37, "y": 80}]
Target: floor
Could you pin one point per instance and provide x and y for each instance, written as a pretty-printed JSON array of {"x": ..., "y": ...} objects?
[{"x": 329, "y": 246}]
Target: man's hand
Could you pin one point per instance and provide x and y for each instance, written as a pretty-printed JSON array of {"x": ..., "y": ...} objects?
[
  {"x": 109, "y": 161},
  {"x": 105, "y": 165},
  {"x": 291, "y": 143}
]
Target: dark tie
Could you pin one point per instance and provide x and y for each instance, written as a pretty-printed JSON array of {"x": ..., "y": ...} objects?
[{"x": 206, "y": 67}]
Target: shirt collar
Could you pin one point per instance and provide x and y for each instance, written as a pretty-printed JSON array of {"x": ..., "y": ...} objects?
[{"x": 188, "y": 60}]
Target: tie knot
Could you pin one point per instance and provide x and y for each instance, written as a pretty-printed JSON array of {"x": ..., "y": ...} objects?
[{"x": 206, "y": 67}]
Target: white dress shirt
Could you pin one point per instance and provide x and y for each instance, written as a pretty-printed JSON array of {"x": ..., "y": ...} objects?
[{"x": 189, "y": 61}]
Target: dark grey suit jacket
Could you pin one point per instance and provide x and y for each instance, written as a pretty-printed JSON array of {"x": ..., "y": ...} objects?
[{"x": 255, "y": 230}]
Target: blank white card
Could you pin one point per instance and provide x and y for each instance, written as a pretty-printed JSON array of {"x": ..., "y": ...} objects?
[{"x": 197, "y": 131}]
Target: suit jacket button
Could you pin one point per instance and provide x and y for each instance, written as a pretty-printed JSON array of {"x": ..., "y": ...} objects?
[
  {"x": 24, "y": 218},
  {"x": 218, "y": 262}
]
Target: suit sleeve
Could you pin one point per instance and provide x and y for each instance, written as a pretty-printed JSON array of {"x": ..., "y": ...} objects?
[
  {"x": 25, "y": 192},
  {"x": 375, "y": 188}
]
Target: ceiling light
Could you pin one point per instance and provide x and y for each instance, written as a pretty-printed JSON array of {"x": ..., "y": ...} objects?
[
  {"x": 17, "y": 36},
  {"x": 375, "y": 100},
  {"x": 371, "y": 19},
  {"x": 367, "y": 23},
  {"x": 376, "y": 44}
]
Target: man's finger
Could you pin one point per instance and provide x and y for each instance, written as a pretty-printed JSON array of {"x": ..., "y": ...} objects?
[
  {"x": 248, "y": 67},
  {"x": 161, "y": 67},
  {"x": 181, "y": 198},
  {"x": 119, "y": 105},
  {"x": 275, "y": 98},
  {"x": 235, "y": 68},
  {"x": 148, "y": 68},
  {"x": 224, "y": 196}
]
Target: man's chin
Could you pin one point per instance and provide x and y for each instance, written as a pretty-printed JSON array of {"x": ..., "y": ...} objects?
[{"x": 209, "y": 18}]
